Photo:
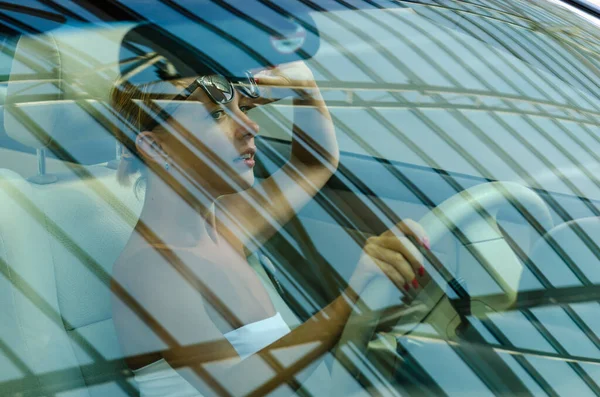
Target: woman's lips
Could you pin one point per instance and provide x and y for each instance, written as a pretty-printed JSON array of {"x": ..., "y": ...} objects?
[
  {"x": 246, "y": 157},
  {"x": 247, "y": 160}
]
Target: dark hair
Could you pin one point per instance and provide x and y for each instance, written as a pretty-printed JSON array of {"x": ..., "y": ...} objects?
[{"x": 126, "y": 100}]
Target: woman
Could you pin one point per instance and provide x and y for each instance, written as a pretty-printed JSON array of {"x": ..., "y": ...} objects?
[{"x": 192, "y": 316}]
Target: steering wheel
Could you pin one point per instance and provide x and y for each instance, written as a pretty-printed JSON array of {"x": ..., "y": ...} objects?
[{"x": 471, "y": 213}]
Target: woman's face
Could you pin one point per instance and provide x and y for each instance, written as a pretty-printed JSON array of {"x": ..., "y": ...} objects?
[{"x": 216, "y": 144}]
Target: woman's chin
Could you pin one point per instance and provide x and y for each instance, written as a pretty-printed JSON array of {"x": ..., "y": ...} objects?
[{"x": 247, "y": 181}]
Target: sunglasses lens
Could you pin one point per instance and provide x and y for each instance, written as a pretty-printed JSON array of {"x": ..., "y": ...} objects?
[
  {"x": 249, "y": 87},
  {"x": 219, "y": 88}
]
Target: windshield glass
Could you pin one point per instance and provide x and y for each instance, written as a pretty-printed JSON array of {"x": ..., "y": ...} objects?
[{"x": 345, "y": 197}]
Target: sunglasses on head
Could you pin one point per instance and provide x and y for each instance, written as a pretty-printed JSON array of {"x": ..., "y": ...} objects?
[{"x": 220, "y": 90}]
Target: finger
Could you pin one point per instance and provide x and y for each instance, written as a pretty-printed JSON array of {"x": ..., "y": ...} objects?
[
  {"x": 271, "y": 80},
  {"x": 405, "y": 247},
  {"x": 295, "y": 71},
  {"x": 413, "y": 228},
  {"x": 397, "y": 279},
  {"x": 276, "y": 78},
  {"x": 397, "y": 260},
  {"x": 392, "y": 274},
  {"x": 264, "y": 100},
  {"x": 277, "y": 87}
]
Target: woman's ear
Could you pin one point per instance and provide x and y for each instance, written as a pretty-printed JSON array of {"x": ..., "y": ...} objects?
[{"x": 150, "y": 148}]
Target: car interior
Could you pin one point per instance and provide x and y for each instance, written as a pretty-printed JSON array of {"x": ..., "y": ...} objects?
[
  {"x": 81, "y": 218},
  {"x": 498, "y": 239}
]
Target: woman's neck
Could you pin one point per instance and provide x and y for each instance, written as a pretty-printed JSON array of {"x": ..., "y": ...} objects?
[{"x": 175, "y": 221}]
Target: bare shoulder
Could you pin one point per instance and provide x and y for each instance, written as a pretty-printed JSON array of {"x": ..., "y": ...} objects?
[
  {"x": 153, "y": 303},
  {"x": 156, "y": 279},
  {"x": 135, "y": 265}
]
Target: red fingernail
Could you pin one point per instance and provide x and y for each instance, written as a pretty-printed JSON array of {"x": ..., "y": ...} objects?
[
  {"x": 421, "y": 271},
  {"x": 406, "y": 286},
  {"x": 426, "y": 243},
  {"x": 415, "y": 283},
  {"x": 257, "y": 79}
]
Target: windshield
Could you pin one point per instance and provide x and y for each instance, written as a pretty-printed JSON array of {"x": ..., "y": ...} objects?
[{"x": 306, "y": 197}]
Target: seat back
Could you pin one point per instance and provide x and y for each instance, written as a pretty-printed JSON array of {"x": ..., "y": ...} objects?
[
  {"x": 58, "y": 241},
  {"x": 57, "y": 246}
]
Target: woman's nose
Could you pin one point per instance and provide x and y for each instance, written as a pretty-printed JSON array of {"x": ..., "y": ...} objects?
[{"x": 245, "y": 125}]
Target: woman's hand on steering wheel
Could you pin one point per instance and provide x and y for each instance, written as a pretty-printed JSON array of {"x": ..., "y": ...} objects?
[{"x": 395, "y": 254}]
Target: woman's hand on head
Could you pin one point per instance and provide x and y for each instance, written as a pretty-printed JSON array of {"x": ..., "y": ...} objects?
[
  {"x": 290, "y": 79},
  {"x": 394, "y": 254}
]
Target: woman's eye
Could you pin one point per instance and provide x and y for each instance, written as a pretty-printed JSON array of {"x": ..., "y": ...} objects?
[
  {"x": 245, "y": 109},
  {"x": 218, "y": 114}
]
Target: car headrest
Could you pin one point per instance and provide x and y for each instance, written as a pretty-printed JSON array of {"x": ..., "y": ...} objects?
[{"x": 59, "y": 85}]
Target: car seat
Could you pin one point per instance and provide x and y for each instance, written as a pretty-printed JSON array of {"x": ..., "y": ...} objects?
[{"x": 59, "y": 238}]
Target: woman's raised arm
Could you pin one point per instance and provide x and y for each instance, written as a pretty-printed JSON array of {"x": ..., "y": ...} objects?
[{"x": 257, "y": 213}]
